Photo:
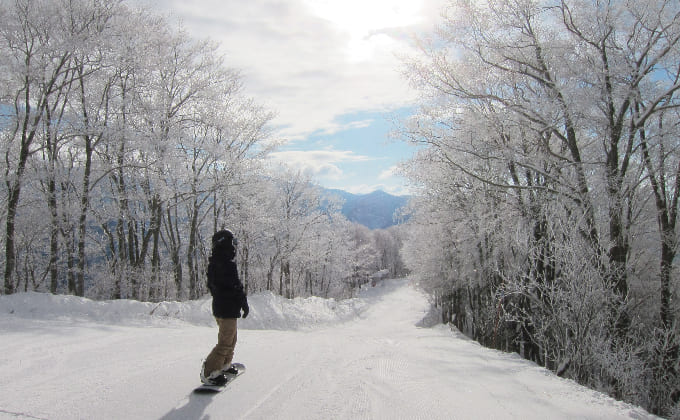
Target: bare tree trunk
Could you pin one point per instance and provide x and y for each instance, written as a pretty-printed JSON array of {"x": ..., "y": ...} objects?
[
  {"x": 281, "y": 269},
  {"x": 173, "y": 243},
  {"x": 82, "y": 219},
  {"x": 14, "y": 190},
  {"x": 191, "y": 251},
  {"x": 52, "y": 150},
  {"x": 156, "y": 220},
  {"x": 245, "y": 261},
  {"x": 54, "y": 234},
  {"x": 666, "y": 220}
]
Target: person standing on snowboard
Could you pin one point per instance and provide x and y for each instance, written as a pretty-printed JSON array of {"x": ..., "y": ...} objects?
[{"x": 229, "y": 300}]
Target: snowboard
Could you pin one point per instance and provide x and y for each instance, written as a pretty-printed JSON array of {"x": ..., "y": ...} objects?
[{"x": 213, "y": 389}]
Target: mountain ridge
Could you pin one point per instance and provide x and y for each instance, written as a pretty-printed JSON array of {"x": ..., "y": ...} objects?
[{"x": 374, "y": 210}]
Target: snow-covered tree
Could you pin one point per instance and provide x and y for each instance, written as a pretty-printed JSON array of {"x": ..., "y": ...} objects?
[
  {"x": 538, "y": 180},
  {"x": 130, "y": 130}
]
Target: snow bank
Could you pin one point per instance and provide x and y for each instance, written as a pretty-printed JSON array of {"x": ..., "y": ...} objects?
[
  {"x": 267, "y": 311},
  {"x": 270, "y": 311}
]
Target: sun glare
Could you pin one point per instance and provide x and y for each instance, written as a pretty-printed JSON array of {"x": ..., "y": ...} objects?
[{"x": 364, "y": 20}]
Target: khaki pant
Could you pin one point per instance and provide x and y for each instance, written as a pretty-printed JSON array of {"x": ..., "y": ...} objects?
[{"x": 223, "y": 352}]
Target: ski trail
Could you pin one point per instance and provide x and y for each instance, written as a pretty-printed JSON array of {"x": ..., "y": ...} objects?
[
  {"x": 383, "y": 366},
  {"x": 297, "y": 373}
]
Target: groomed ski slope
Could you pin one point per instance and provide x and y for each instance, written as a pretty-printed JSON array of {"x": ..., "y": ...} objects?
[{"x": 378, "y": 365}]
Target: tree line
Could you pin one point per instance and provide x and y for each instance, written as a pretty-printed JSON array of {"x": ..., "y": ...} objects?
[
  {"x": 548, "y": 178},
  {"x": 126, "y": 143}
]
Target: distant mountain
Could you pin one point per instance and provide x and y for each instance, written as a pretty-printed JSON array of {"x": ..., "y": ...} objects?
[{"x": 374, "y": 210}]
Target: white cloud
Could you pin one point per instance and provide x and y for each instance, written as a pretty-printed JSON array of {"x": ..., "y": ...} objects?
[
  {"x": 336, "y": 127},
  {"x": 388, "y": 173},
  {"x": 318, "y": 163}
]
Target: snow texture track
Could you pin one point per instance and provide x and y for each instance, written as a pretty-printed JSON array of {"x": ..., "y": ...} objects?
[{"x": 381, "y": 366}]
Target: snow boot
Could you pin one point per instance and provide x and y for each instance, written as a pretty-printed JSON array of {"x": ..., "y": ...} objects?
[
  {"x": 229, "y": 370},
  {"x": 216, "y": 378}
]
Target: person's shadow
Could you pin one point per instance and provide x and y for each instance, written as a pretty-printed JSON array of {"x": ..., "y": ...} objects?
[{"x": 192, "y": 410}]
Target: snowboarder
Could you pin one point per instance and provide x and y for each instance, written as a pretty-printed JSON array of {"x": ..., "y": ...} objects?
[{"x": 229, "y": 300}]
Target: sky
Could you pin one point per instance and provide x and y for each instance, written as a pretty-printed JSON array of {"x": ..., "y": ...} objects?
[{"x": 330, "y": 70}]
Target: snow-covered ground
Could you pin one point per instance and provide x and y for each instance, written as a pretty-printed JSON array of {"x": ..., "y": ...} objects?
[{"x": 365, "y": 358}]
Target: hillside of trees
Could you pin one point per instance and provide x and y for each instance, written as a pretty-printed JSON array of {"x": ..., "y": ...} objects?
[
  {"x": 376, "y": 210},
  {"x": 126, "y": 144},
  {"x": 548, "y": 182}
]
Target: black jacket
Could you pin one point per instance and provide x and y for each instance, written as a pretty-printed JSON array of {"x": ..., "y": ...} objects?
[{"x": 226, "y": 288}]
